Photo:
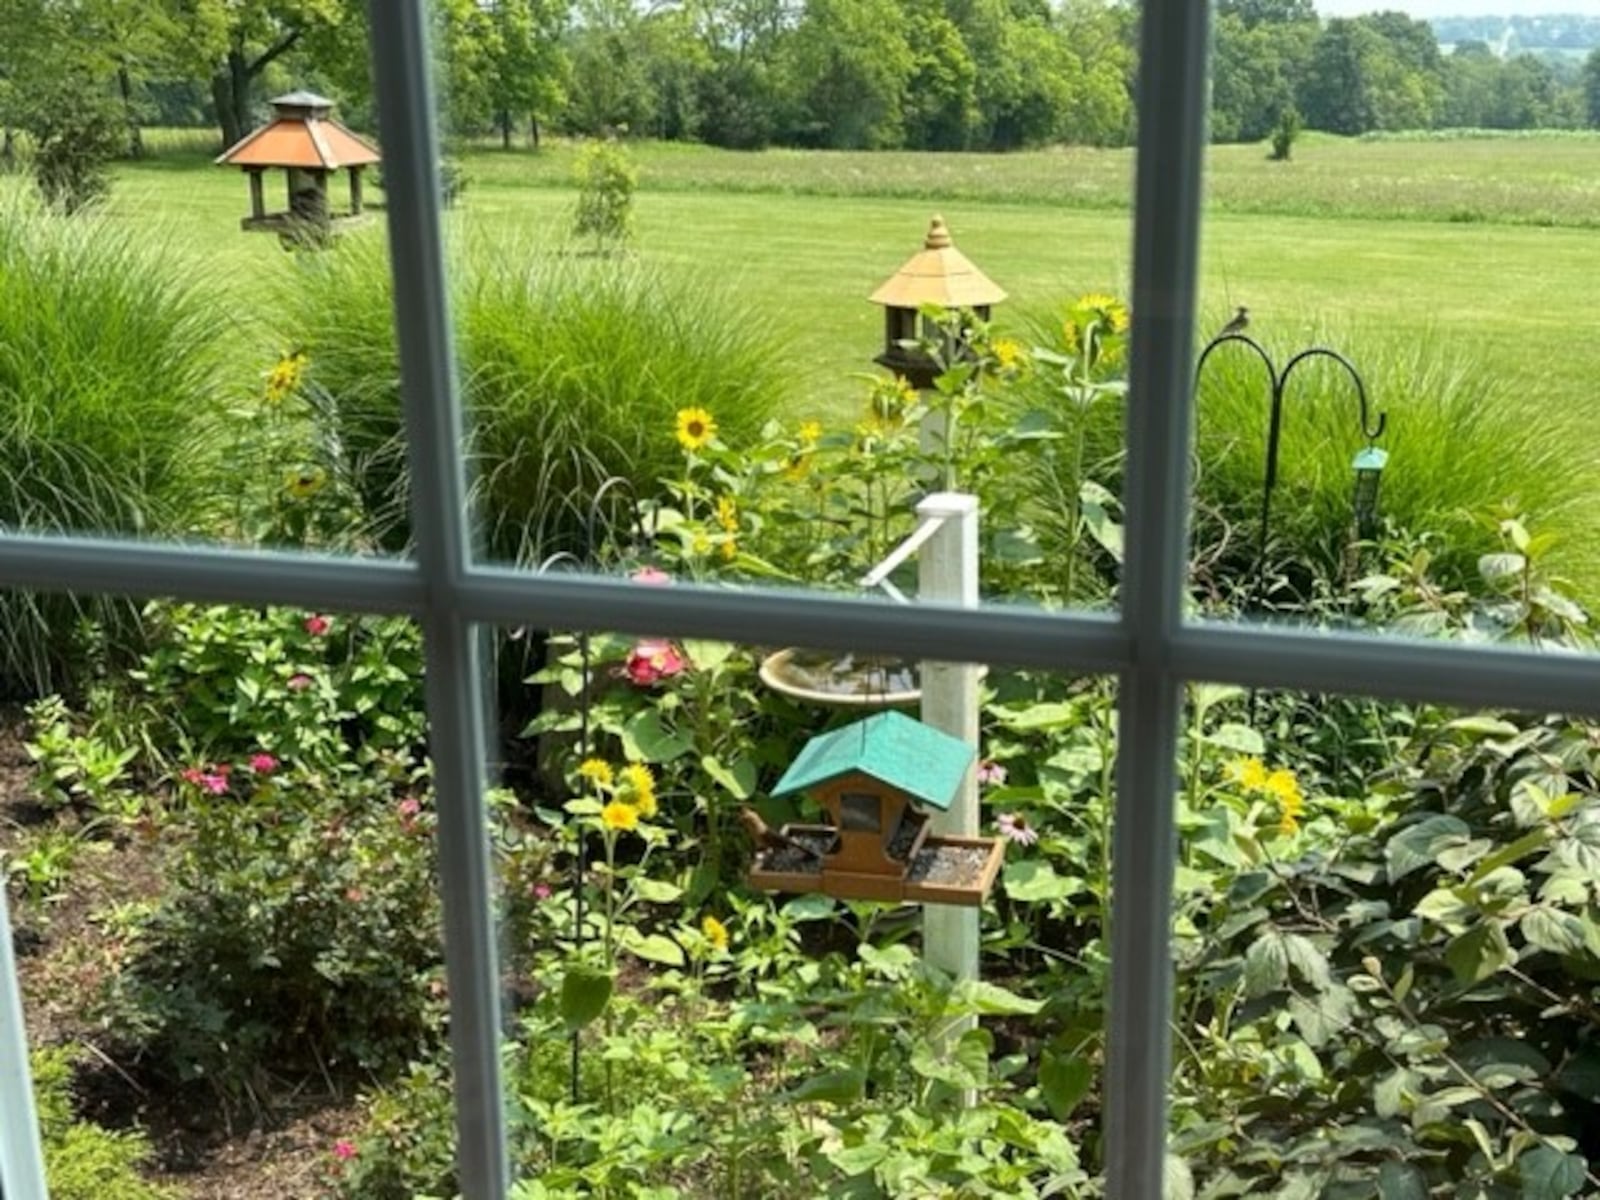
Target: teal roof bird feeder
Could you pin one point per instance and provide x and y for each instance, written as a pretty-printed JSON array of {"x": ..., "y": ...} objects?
[{"x": 876, "y": 778}]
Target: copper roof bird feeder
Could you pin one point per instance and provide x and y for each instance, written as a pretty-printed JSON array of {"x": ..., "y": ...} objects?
[
  {"x": 875, "y": 778},
  {"x": 937, "y": 275},
  {"x": 309, "y": 146}
]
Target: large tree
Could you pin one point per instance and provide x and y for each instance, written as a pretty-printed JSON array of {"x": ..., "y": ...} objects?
[{"x": 1591, "y": 87}]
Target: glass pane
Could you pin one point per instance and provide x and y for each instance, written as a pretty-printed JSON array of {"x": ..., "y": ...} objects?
[
  {"x": 712, "y": 288},
  {"x": 713, "y": 974},
  {"x": 219, "y": 860},
  {"x": 1430, "y": 471},
  {"x": 195, "y": 350},
  {"x": 1386, "y": 944}
]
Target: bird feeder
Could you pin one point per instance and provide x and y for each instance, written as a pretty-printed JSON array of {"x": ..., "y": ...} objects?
[
  {"x": 1368, "y": 465},
  {"x": 877, "y": 779},
  {"x": 938, "y": 275},
  {"x": 304, "y": 142}
]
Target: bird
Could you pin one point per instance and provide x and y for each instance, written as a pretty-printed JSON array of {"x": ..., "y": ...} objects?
[
  {"x": 767, "y": 838},
  {"x": 1240, "y": 322}
]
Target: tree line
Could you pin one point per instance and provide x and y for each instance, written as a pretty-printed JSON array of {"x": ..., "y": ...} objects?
[{"x": 874, "y": 74}]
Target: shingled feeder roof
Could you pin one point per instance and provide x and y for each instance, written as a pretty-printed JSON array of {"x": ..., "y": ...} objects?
[
  {"x": 302, "y": 135},
  {"x": 890, "y": 747},
  {"x": 938, "y": 274}
]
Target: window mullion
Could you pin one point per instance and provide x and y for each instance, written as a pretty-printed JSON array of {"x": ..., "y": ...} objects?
[
  {"x": 1171, "y": 110},
  {"x": 21, "y": 1167},
  {"x": 439, "y": 522}
]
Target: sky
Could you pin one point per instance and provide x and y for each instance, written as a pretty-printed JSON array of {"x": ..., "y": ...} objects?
[{"x": 1457, "y": 8}]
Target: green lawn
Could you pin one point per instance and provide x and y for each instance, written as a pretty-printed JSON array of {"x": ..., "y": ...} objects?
[{"x": 804, "y": 237}]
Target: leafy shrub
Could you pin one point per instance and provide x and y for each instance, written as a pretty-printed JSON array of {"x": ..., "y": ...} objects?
[
  {"x": 1407, "y": 1005},
  {"x": 71, "y": 766},
  {"x": 301, "y": 929},
  {"x": 77, "y": 129},
  {"x": 572, "y": 373},
  {"x": 1285, "y": 133},
  {"x": 606, "y": 179},
  {"x": 82, "y": 1161},
  {"x": 322, "y": 692},
  {"x": 105, "y": 358}
]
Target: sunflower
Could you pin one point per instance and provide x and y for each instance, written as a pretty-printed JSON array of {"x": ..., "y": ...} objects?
[
  {"x": 716, "y": 932},
  {"x": 639, "y": 786},
  {"x": 305, "y": 483},
  {"x": 810, "y": 432},
  {"x": 1249, "y": 773},
  {"x": 1008, "y": 353},
  {"x": 284, "y": 378},
  {"x": 696, "y": 428},
  {"x": 598, "y": 770},
  {"x": 618, "y": 815},
  {"x": 728, "y": 514}
]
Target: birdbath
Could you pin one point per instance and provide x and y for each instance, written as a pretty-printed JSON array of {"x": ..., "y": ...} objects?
[{"x": 842, "y": 680}]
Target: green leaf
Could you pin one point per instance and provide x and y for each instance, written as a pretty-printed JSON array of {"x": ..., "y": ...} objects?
[
  {"x": 1419, "y": 845},
  {"x": 585, "y": 992},
  {"x": 1323, "y": 1018},
  {"x": 1390, "y": 1094},
  {"x": 1307, "y": 960},
  {"x": 1064, "y": 1080},
  {"x": 1041, "y": 716},
  {"x": 657, "y": 891},
  {"x": 963, "y": 1065},
  {"x": 707, "y": 656},
  {"x": 1240, "y": 739},
  {"x": 1479, "y": 953},
  {"x": 831, "y": 1087},
  {"x": 646, "y": 739},
  {"x": 857, "y": 1160},
  {"x": 1266, "y": 965},
  {"x": 655, "y": 947},
  {"x": 1581, "y": 1075},
  {"x": 990, "y": 1000},
  {"x": 1034, "y": 881},
  {"x": 1548, "y": 1174},
  {"x": 1552, "y": 930},
  {"x": 1401, "y": 1181},
  {"x": 811, "y": 907},
  {"x": 740, "y": 781},
  {"x": 1177, "y": 1181},
  {"x": 1529, "y": 843}
]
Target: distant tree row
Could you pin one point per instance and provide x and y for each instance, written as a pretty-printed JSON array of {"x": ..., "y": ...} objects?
[{"x": 921, "y": 74}]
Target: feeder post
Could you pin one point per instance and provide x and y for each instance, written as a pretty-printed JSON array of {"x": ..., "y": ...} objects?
[{"x": 947, "y": 573}]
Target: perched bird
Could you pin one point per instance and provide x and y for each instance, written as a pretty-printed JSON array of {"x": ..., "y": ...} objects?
[
  {"x": 1240, "y": 322},
  {"x": 767, "y": 838}
]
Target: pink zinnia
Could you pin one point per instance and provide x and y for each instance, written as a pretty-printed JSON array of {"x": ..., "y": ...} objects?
[
  {"x": 214, "y": 783},
  {"x": 541, "y": 891},
  {"x": 344, "y": 1150},
  {"x": 991, "y": 773},
  {"x": 653, "y": 660},
  {"x": 299, "y": 682},
  {"x": 263, "y": 764},
  {"x": 651, "y": 576},
  {"x": 410, "y": 807},
  {"x": 317, "y": 624},
  {"x": 1014, "y": 828},
  {"x": 191, "y": 775}
]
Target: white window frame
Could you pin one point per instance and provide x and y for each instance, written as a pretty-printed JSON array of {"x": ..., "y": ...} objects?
[{"x": 1149, "y": 646}]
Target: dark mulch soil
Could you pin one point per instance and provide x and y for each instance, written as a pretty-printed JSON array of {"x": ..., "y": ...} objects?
[{"x": 278, "y": 1146}]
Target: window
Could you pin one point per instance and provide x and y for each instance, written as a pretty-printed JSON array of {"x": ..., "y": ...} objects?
[{"x": 1150, "y": 645}]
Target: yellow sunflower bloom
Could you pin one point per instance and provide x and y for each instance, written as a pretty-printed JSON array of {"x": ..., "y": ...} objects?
[
  {"x": 696, "y": 428},
  {"x": 639, "y": 786},
  {"x": 716, "y": 932},
  {"x": 305, "y": 483},
  {"x": 597, "y": 770},
  {"x": 1249, "y": 773},
  {"x": 1008, "y": 353},
  {"x": 810, "y": 432},
  {"x": 618, "y": 815},
  {"x": 728, "y": 514},
  {"x": 1282, "y": 784},
  {"x": 285, "y": 377},
  {"x": 729, "y": 549}
]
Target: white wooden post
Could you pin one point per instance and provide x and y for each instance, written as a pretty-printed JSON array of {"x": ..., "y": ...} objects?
[
  {"x": 947, "y": 572},
  {"x": 21, "y": 1170}
]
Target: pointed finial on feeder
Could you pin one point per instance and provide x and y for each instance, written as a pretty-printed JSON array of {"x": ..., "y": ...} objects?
[{"x": 938, "y": 235}]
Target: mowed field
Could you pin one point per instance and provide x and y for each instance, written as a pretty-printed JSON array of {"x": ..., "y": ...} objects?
[{"x": 1488, "y": 246}]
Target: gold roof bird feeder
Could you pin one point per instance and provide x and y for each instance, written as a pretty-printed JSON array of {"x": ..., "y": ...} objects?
[
  {"x": 874, "y": 778},
  {"x": 309, "y": 146},
  {"x": 937, "y": 275}
]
